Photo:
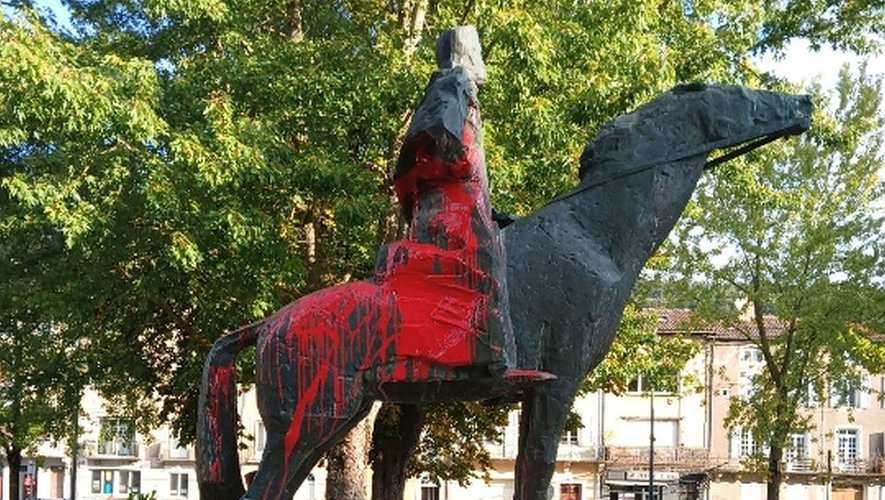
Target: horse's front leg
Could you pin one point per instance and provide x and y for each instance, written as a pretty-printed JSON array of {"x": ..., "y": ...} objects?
[{"x": 543, "y": 416}]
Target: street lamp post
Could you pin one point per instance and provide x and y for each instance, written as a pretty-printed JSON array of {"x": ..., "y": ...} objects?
[
  {"x": 651, "y": 444},
  {"x": 75, "y": 451}
]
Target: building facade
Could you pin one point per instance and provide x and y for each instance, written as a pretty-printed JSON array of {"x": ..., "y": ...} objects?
[{"x": 694, "y": 455}]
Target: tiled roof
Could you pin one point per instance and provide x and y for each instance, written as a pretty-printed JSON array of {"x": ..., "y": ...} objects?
[{"x": 673, "y": 321}]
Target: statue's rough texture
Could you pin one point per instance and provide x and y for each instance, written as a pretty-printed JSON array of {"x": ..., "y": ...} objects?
[
  {"x": 438, "y": 320},
  {"x": 637, "y": 175}
]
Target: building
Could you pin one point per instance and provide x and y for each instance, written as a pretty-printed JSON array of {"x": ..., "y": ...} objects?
[
  {"x": 695, "y": 455},
  {"x": 115, "y": 460}
]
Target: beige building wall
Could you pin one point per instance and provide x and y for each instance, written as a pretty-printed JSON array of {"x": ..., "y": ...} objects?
[{"x": 858, "y": 431}]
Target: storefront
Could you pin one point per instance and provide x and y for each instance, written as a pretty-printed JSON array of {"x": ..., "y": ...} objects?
[{"x": 667, "y": 485}]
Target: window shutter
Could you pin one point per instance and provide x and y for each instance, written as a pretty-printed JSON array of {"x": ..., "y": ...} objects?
[
  {"x": 864, "y": 392},
  {"x": 812, "y": 396},
  {"x": 735, "y": 443}
]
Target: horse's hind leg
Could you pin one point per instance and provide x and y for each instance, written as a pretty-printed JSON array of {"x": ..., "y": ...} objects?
[
  {"x": 279, "y": 476},
  {"x": 318, "y": 451},
  {"x": 270, "y": 480}
]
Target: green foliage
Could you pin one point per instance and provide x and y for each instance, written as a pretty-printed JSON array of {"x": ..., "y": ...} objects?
[
  {"x": 453, "y": 446},
  {"x": 170, "y": 170},
  {"x": 142, "y": 496},
  {"x": 639, "y": 350},
  {"x": 793, "y": 231}
]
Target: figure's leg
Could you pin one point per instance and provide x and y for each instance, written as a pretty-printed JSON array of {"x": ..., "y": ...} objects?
[{"x": 544, "y": 412}]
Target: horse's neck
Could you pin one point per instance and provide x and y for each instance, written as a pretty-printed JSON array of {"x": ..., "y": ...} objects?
[{"x": 630, "y": 217}]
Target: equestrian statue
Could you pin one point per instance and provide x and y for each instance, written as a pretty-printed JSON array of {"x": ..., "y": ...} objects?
[{"x": 462, "y": 309}]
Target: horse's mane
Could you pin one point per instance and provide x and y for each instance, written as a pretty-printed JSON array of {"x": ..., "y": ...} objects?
[{"x": 624, "y": 127}]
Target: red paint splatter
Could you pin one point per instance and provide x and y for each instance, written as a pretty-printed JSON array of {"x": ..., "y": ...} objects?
[{"x": 432, "y": 308}]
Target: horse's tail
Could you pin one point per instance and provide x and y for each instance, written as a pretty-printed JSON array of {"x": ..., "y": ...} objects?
[{"x": 218, "y": 464}]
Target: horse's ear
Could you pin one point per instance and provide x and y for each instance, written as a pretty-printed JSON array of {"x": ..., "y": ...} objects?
[
  {"x": 589, "y": 159},
  {"x": 689, "y": 87}
]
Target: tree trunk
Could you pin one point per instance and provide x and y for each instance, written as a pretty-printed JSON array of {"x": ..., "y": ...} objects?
[
  {"x": 14, "y": 459},
  {"x": 393, "y": 444},
  {"x": 774, "y": 473},
  {"x": 414, "y": 16},
  {"x": 348, "y": 462},
  {"x": 295, "y": 21}
]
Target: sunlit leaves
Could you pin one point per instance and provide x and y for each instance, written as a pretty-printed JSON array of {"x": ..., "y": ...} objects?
[
  {"x": 160, "y": 165},
  {"x": 639, "y": 350},
  {"x": 793, "y": 231}
]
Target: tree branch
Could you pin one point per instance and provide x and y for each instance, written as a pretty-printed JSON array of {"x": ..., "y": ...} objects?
[{"x": 295, "y": 21}]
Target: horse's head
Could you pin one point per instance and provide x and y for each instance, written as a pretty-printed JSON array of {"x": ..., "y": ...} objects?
[{"x": 691, "y": 121}]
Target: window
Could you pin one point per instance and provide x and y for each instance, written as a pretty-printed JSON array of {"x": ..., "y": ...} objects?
[
  {"x": 743, "y": 443},
  {"x": 745, "y": 386},
  {"x": 129, "y": 481},
  {"x": 569, "y": 437},
  {"x": 747, "y": 444},
  {"x": 177, "y": 451},
  {"x": 260, "y": 438},
  {"x": 847, "y": 448},
  {"x": 797, "y": 453},
  {"x": 750, "y": 355},
  {"x": 798, "y": 447},
  {"x": 810, "y": 397},
  {"x": 569, "y": 491},
  {"x": 850, "y": 393},
  {"x": 116, "y": 437},
  {"x": 640, "y": 384},
  {"x": 429, "y": 490},
  {"x": 102, "y": 481},
  {"x": 178, "y": 484},
  {"x": 844, "y": 394}
]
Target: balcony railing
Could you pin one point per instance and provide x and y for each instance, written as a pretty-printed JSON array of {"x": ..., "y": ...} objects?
[
  {"x": 500, "y": 451},
  {"x": 808, "y": 465},
  {"x": 566, "y": 453},
  {"x": 117, "y": 449},
  {"x": 851, "y": 466},
  {"x": 800, "y": 464},
  {"x": 182, "y": 453},
  {"x": 577, "y": 453}
]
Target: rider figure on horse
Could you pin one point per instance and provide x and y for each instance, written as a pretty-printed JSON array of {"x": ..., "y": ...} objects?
[{"x": 449, "y": 275}]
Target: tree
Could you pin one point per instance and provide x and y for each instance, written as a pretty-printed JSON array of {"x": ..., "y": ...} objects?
[
  {"x": 638, "y": 349},
  {"x": 36, "y": 405},
  {"x": 197, "y": 165},
  {"x": 45, "y": 358},
  {"x": 793, "y": 233}
]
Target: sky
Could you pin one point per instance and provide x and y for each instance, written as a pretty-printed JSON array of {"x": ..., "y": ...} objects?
[{"x": 802, "y": 65}]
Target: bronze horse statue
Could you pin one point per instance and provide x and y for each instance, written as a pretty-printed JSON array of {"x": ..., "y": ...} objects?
[{"x": 445, "y": 315}]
